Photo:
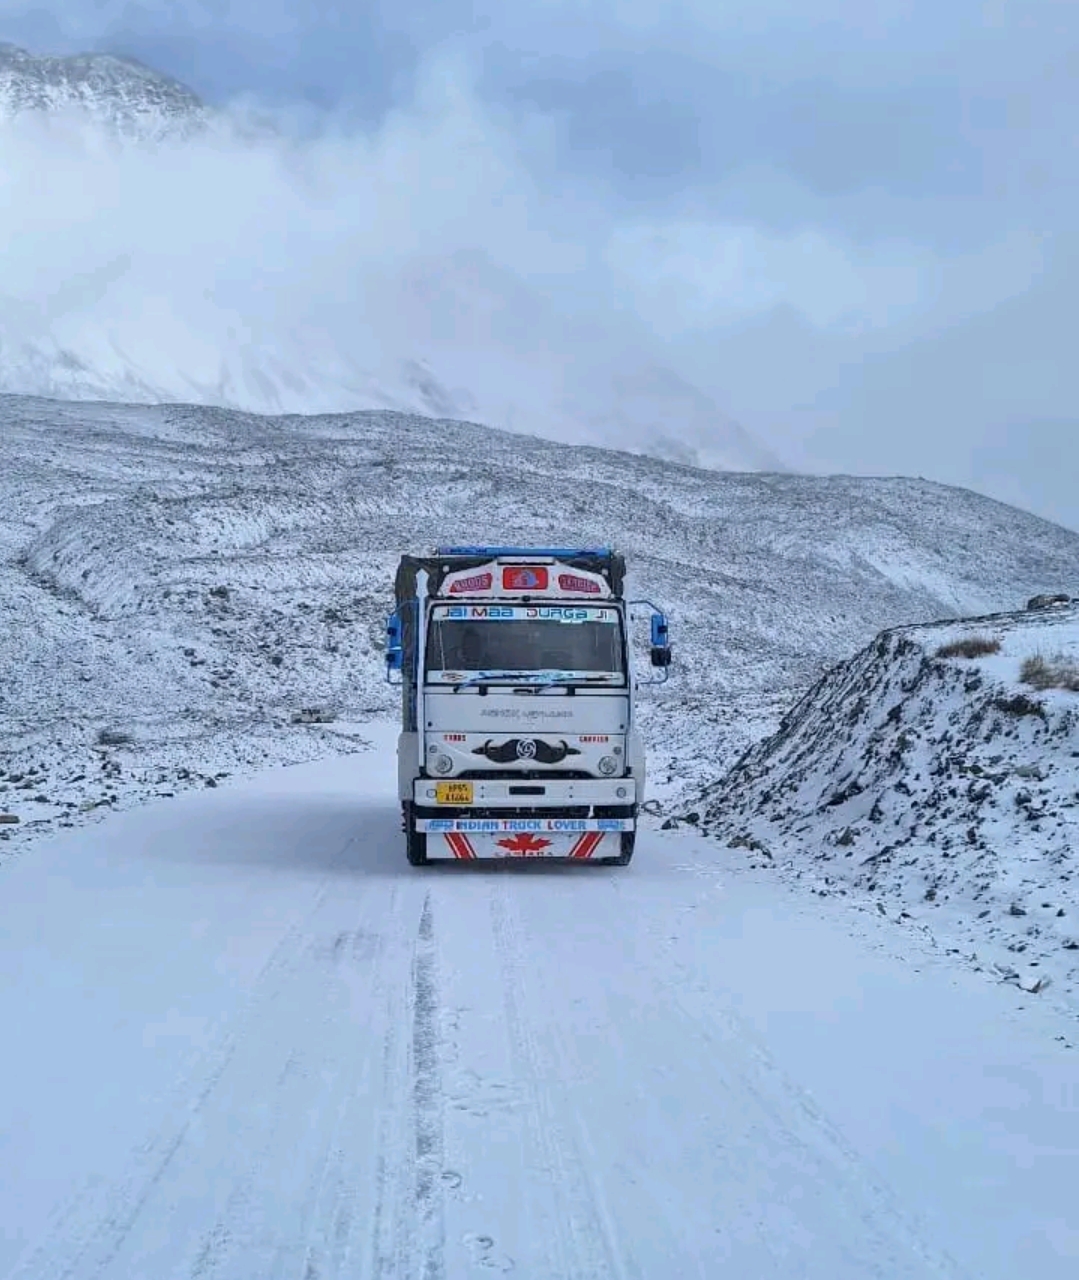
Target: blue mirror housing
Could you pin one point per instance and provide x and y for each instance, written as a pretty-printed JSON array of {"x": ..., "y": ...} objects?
[
  {"x": 661, "y": 643},
  {"x": 395, "y": 652}
]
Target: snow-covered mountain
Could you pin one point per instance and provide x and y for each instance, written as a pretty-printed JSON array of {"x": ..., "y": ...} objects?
[
  {"x": 198, "y": 580},
  {"x": 937, "y": 773},
  {"x": 119, "y": 93},
  {"x": 168, "y": 252}
]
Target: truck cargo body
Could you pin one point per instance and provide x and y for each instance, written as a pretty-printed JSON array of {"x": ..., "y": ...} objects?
[{"x": 518, "y": 733}]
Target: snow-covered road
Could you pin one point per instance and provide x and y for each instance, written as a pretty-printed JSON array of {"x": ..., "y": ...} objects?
[{"x": 243, "y": 1039}]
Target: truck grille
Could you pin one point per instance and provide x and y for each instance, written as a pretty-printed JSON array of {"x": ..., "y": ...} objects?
[
  {"x": 525, "y": 811},
  {"x": 509, "y": 811},
  {"x": 526, "y": 749},
  {"x": 526, "y": 775}
]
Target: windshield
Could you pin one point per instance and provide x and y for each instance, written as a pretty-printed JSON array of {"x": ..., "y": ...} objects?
[{"x": 466, "y": 641}]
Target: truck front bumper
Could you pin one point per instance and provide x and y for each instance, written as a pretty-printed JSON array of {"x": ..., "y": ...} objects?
[
  {"x": 544, "y": 826},
  {"x": 537, "y": 794},
  {"x": 513, "y": 842},
  {"x": 577, "y": 819}
]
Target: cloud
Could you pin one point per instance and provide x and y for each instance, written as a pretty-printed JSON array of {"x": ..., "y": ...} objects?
[
  {"x": 848, "y": 225},
  {"x": 417, "y": 263},
  {"x": 224, "y": 235}
]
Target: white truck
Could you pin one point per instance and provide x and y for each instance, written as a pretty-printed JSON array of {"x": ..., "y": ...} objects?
[{"x": 518, "y": 732}]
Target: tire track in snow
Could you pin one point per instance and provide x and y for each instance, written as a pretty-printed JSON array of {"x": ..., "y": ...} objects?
[
  {"x": 320, "y": 1077},
  {"x": 761, "y": 1144},
  {"x": 427, "y": 1100},
  {"x": 92, "y": 1229},
  {"x": 328, "y": 1161},
  {"x": 407, "y": 1236},
  {"x": 580, "y": 1231},
  {"x": 346, "y": 1178},
  {"x": 816, "y": 1140},
  {"x": 388, "y": 1239}
]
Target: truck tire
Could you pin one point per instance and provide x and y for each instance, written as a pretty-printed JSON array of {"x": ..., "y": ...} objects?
[
  {"x": 629, "y": 839},
  {"x": 415, "y": 841}
]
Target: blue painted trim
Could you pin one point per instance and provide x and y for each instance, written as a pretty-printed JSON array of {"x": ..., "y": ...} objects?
[{"x": 558, "y": 553}]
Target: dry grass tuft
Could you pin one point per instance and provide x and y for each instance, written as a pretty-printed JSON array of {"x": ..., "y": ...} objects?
[
  {"x": 1060, "y": 672},
  {"x": 971, "y": 647}
]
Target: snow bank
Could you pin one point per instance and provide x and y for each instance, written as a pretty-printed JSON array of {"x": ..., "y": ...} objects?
[{"x": 943, "y": 787}]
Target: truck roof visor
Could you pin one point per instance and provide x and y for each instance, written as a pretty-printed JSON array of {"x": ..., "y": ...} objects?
[
  {"x": 611, "y": 564},
  {"x": 551, "y": 553}
]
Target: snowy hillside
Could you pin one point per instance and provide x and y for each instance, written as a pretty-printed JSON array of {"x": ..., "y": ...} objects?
[
  {"x": 123, "y": 95},
  {"x": 186, "y": 589},
  {"x": 936, "y": 773}
]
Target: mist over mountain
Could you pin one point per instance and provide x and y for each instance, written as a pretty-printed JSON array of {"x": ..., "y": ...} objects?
[
  {"x": 170, "y": 252},
  {"x": 119, "y": 93}
]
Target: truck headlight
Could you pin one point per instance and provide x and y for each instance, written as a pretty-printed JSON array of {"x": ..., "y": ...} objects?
[
  {"x": 442, "y": 764},
  {"x": 608, "y": 765}
]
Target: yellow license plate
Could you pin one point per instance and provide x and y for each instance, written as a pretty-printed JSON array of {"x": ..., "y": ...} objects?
[{"x": 453, "y": 792}]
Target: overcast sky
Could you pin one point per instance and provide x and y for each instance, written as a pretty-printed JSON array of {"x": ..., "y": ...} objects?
[{"x": 855, "y": 223}]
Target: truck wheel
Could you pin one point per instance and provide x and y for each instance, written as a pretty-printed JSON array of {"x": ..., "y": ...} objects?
[
  {"x": 415, "y": 841},
  {"x": 629, "y": 839}
]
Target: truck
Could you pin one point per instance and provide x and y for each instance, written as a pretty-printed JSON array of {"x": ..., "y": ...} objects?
[{"x": 519, "y": 737}]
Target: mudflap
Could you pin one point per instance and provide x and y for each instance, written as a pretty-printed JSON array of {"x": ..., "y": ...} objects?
[{"x": 585, "y": 846}]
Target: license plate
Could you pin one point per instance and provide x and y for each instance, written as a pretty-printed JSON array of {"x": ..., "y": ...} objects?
[{"x": 453, "y": 793}]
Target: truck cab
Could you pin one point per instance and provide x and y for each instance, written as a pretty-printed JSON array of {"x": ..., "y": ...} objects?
[{"x": 518, "y": 734}]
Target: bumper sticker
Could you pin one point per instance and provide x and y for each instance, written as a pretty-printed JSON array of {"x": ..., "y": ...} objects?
[{"x": 536, "y": 826}]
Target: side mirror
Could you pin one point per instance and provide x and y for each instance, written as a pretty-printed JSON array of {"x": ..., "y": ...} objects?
[
  {"x": 395, "y": 650},
  {"x": 660, "y": 654},
  {"x": 661, "y": 643}
]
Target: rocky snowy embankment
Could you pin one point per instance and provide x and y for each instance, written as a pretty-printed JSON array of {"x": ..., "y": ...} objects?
[{"x": 935, "y": 774}]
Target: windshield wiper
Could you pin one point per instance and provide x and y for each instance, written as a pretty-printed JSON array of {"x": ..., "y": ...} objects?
[
  {"x": 541, "y": 678},
  {"x": 486, "y": 677}
]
